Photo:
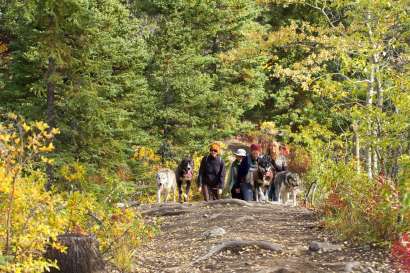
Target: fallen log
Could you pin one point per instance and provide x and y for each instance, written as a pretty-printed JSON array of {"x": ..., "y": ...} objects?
[{"x": 82, "y": 255}]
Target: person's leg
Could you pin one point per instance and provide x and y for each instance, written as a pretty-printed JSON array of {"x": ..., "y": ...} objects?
[
  {"x": 213, "y": 193},
  {"x": 205, "y": 192},
  {"x": 217, "y": 196},
  {"x": 247, "y": 191},
  {"x": 233, "y": 193},
  {"x": 272, "y": 193},
  {"x": 278, "y": 196}
]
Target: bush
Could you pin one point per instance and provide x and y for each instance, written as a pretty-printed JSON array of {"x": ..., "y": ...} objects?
[
  {"x": 357, "y": 207},
  {"x": 32, "y": 217}
]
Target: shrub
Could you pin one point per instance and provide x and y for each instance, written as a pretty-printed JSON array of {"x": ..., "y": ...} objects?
[
  {"x": 357, "y": 207},
  {"x": 32, "y": 218}
]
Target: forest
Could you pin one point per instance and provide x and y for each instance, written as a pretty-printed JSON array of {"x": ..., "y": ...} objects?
[{"x": 97, "y": 95}]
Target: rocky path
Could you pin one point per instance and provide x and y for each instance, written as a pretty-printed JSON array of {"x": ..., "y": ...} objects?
[{"x": 232, "y": 236}]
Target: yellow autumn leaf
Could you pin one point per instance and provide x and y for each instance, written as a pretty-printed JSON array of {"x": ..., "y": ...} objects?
[
  {"x": 48, "y": 148},
  {"x": 41, "y": 125}
]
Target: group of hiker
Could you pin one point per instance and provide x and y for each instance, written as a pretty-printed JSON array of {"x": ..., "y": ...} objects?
[{"x": 212, "y": 171}]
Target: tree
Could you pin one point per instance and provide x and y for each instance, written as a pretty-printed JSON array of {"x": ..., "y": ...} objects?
[
  {"x": 78, "y": 64},
  {"x": 335, "y": 67},
  {"x": 201, "y": 83}
]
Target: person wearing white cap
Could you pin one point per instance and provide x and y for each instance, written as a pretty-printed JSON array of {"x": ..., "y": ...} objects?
[{"x": 233, "y": 174}]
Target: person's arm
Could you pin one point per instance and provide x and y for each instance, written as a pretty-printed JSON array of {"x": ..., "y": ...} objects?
[
  {"x": 276, "y": 166},
  {"x": 242, "y": 170},
  {"x": 235, "y": 178},
  {"x": 222, "y": 174},
  {"x": 231, "y": 176},
  {"x": 283, "y": 163},
  {"x": 201, "y": 172}
]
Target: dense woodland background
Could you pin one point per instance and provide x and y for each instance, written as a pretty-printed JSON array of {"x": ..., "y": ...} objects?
[{"x": 134, "y": 85}]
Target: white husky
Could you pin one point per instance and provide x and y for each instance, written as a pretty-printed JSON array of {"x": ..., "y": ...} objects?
[{"x": 166, "y": 183}]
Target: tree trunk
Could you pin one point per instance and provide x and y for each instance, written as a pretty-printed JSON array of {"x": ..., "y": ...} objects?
[
  {"x": 369, "y": 99},
  {"x": 378, "y": 131},
  {"x": 356, "y": 142},
  {"x": 82, "y": 255},
  {"x": 50, "y": 113},
  {"x": 369, "y": 103},
  {"x": 375, "y": 161},
  {"x": 379, "y": 87}
]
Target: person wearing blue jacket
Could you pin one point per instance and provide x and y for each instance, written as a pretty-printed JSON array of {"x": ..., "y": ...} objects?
[{"x": 248, "y": 165}]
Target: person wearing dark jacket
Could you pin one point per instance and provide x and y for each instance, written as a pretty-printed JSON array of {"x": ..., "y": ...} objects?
[
  {"x": 211, "y": 174},
  {"x": 248, "y": 165}
]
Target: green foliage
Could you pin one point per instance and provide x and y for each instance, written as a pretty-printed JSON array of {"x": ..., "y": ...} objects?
[
  {"x": 199, "y": 77},
  {"x": 99, "y": 54},
  {"x": 138, "y": 85},
  {"x": 34, "y": 217},
  {"x": 338, "y": 85},
  {"x": 359, "y": 208}
]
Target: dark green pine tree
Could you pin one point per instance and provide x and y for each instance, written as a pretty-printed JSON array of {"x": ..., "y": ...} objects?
[
  {"x": 79, "y": 65},
  {"x": 201, "y": 81}
]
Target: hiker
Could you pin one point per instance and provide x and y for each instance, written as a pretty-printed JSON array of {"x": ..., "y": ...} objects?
[
  {"x": 245, "y": 171},
  {"x": 233, "y": 187},
  {"x": 211, "y": 174},
  {"x": 278, "y": 153}
]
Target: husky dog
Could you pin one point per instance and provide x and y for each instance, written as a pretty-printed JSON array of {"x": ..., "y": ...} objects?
[
  {"x": 286, "y": 182},
  {"x": 184, "y": 173},
  {"x": 166, "y": 183},
  {"x": 262, "y": 178}
]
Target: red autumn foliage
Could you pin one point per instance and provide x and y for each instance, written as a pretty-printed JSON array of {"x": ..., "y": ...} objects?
[
  {"x": 400, "y": 252},
  {"x": 333, "y": 202},
  {"x": 300, "y": 160}
]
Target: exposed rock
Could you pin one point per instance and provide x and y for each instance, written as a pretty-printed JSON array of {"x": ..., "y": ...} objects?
[
  {"x": 245, "y": 218},
  {"x": 276, "y": 270},
  {"x": 214, "y": 216},
  {"x": 323, "y": 247},
  {"x": 352, "y": 266},
  {"x": 215, "y": 232}
]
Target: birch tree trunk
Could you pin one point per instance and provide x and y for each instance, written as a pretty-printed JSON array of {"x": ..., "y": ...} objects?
[
  {"x": 356, "y": 142},
  {"x": 369, "y": 103},
  {"x": 369, "y": 98},
  {"x": 378, "y": 130}
]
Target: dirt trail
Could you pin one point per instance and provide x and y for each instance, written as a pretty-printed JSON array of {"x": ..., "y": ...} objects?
[{"x": 183, "y": 240}]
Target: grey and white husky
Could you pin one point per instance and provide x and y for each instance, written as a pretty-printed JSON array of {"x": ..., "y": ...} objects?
[{"x": 286, "y": 182}]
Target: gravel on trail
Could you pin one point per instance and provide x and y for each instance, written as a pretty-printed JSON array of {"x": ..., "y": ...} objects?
[{"x": 260, "y": 238}]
